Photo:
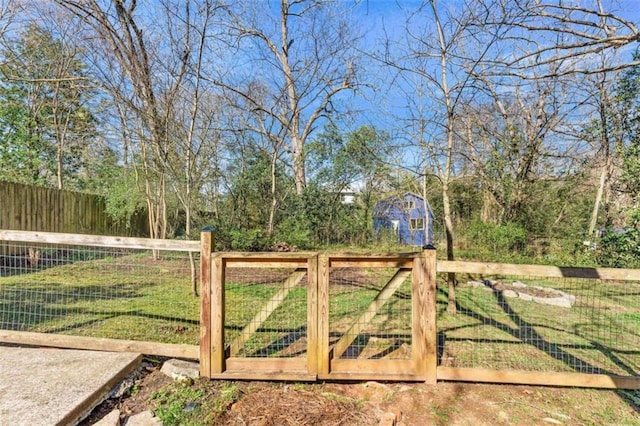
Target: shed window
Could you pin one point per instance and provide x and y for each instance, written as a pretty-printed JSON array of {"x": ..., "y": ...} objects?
[
  {"x": 416, "y": 224},
  {"x": 409, "y": 205}
]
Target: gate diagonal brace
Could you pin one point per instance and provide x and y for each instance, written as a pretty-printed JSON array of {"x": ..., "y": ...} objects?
[
  {"x": 385, "y": 294},
  {"x": 273, "y": 303}
]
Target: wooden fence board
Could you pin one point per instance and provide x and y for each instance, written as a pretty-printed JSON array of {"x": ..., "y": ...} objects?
[
  {"x": 538, "y": 270},
  {"x": 98, "y": 240},
  {"x": 323, "y": 315},
  {"x": 217, "y": 320},
  {"x": 33, "y": 208},
  {"x": 312, "y": 315},
  {"x": 99, "y": 344},
  {"x": 206, "y": 248},
  {"x": 546, "y": 378}
]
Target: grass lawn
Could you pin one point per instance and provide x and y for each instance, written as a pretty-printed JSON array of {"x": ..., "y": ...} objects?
[
  {"x": 600, "y": 333},
  {"x": 128, "y": 297},
  {"x": 135, "y": 297}
]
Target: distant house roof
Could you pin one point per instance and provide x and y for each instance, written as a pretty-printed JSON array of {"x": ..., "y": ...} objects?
[{"x": 385, "y": 206}]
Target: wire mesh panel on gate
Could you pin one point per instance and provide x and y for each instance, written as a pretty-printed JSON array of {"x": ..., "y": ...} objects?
[
  {"x": 370, "y": 313},
  {"x": 266, "y": 312}
]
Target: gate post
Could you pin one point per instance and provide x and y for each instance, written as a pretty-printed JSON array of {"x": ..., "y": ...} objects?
[
  {"x": 322, "y": 356},
  {"x": 424, "y": 331},
  {"x": 206, "y": 248}
]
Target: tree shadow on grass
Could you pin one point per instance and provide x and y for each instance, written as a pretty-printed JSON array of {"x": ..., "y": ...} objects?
[
  {"x": 54, "y": 308},
  {"x": 30, "y": 259},
  {"x": 525, "y": 332}
]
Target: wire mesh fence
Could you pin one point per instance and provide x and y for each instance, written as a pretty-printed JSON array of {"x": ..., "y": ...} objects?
[
  {"x": 266, "y": 312},
  {"x": 506, "y": 321},
  {"x": 370, "y": 313},
  {"x": 131, "y": 294},
  {"x": 541, "y": 324}
]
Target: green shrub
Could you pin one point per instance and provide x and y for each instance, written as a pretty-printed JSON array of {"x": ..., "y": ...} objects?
[
  {"x": 248, "y": 240},
  {"x": 620, "y": 248},
  {"x": 294, "y": 232},
  {"x": 503, "y": 238}
]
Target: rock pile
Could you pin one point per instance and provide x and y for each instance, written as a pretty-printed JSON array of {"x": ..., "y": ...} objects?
[{"x": 537, "y": 294}]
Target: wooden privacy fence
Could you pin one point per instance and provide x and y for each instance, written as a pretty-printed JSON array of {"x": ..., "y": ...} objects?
[
  {"x": 323, "y": 316},
  {"x": 33, "y": 208}
]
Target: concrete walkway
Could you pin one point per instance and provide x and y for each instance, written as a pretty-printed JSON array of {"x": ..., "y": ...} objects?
[{"x": 43, "y": 386}]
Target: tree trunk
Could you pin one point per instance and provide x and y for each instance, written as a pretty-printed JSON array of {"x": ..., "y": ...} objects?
[{"x": 448, "y": 223}]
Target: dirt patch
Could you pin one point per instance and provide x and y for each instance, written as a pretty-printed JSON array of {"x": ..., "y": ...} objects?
[
  {"x": 447, "y": 403},
  {"x": 133, "y": 396},
  {"x": 271, "y": 404}
]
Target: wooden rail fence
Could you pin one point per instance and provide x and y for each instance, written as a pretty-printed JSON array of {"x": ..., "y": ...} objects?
[
  {"x": 339, "y": 316},
  {"x": 409, "y": 284},
  {"x": 56, "y": 240}
]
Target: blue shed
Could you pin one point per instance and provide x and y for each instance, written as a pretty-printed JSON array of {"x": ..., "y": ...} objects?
[{"x": 409, "y": 217}]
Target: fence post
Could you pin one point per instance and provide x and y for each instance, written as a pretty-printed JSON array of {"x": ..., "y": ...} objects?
[
  {"x": 312, "y": 315},
  {"x": 424, "y": 331},
  {"x": 323, "y": 357},
  {"x": 206, "y": 248}
]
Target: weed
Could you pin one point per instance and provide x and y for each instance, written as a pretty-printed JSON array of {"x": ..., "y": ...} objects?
[
  {"x": 301, "y": 387},
  {"x": 226, "y": 396},
  {"x": 134, "y": 389},
  {"x": 335, "y": 397},
  {"x": 176, "y": 404},
  {"x": 195, "y": 403},
  {"x": 442, "y": 414}
]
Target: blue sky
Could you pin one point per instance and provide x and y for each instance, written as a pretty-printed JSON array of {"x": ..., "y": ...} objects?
[{"x": 384, "y": 106}]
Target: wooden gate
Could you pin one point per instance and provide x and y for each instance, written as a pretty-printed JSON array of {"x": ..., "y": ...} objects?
[
  {"x": 310, "y": 316},
  {"x": 388, "y": 330},
  {"x": 271, "y": 337}
]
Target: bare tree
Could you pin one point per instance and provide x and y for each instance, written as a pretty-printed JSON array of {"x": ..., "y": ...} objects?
[
  {"x": 545, "y": 41},
  {"x": 607, "y": 133},
  {"x": 437, "y": 62},
  {"x": 542, "y": 33},
  {"x": 148, "y": 76},
  {"x": 305, "y": 57},
  {"x": 191, "y": 109},
  {"x": 517, "y": 136},
  {"x": 123, "y": 51}
]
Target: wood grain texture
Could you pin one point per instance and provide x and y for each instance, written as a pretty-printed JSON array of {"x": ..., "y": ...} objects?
[
  {"x": 206, "y": 248},
  {"x": 99, "y": 344},
  {"x": 541, "y": 378},
  {"x": 98, "y": 241},
  {"x": 538, "y": 270}
]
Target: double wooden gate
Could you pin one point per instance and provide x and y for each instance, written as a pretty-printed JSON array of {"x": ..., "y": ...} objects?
[{"x": 310, "y": 316}]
